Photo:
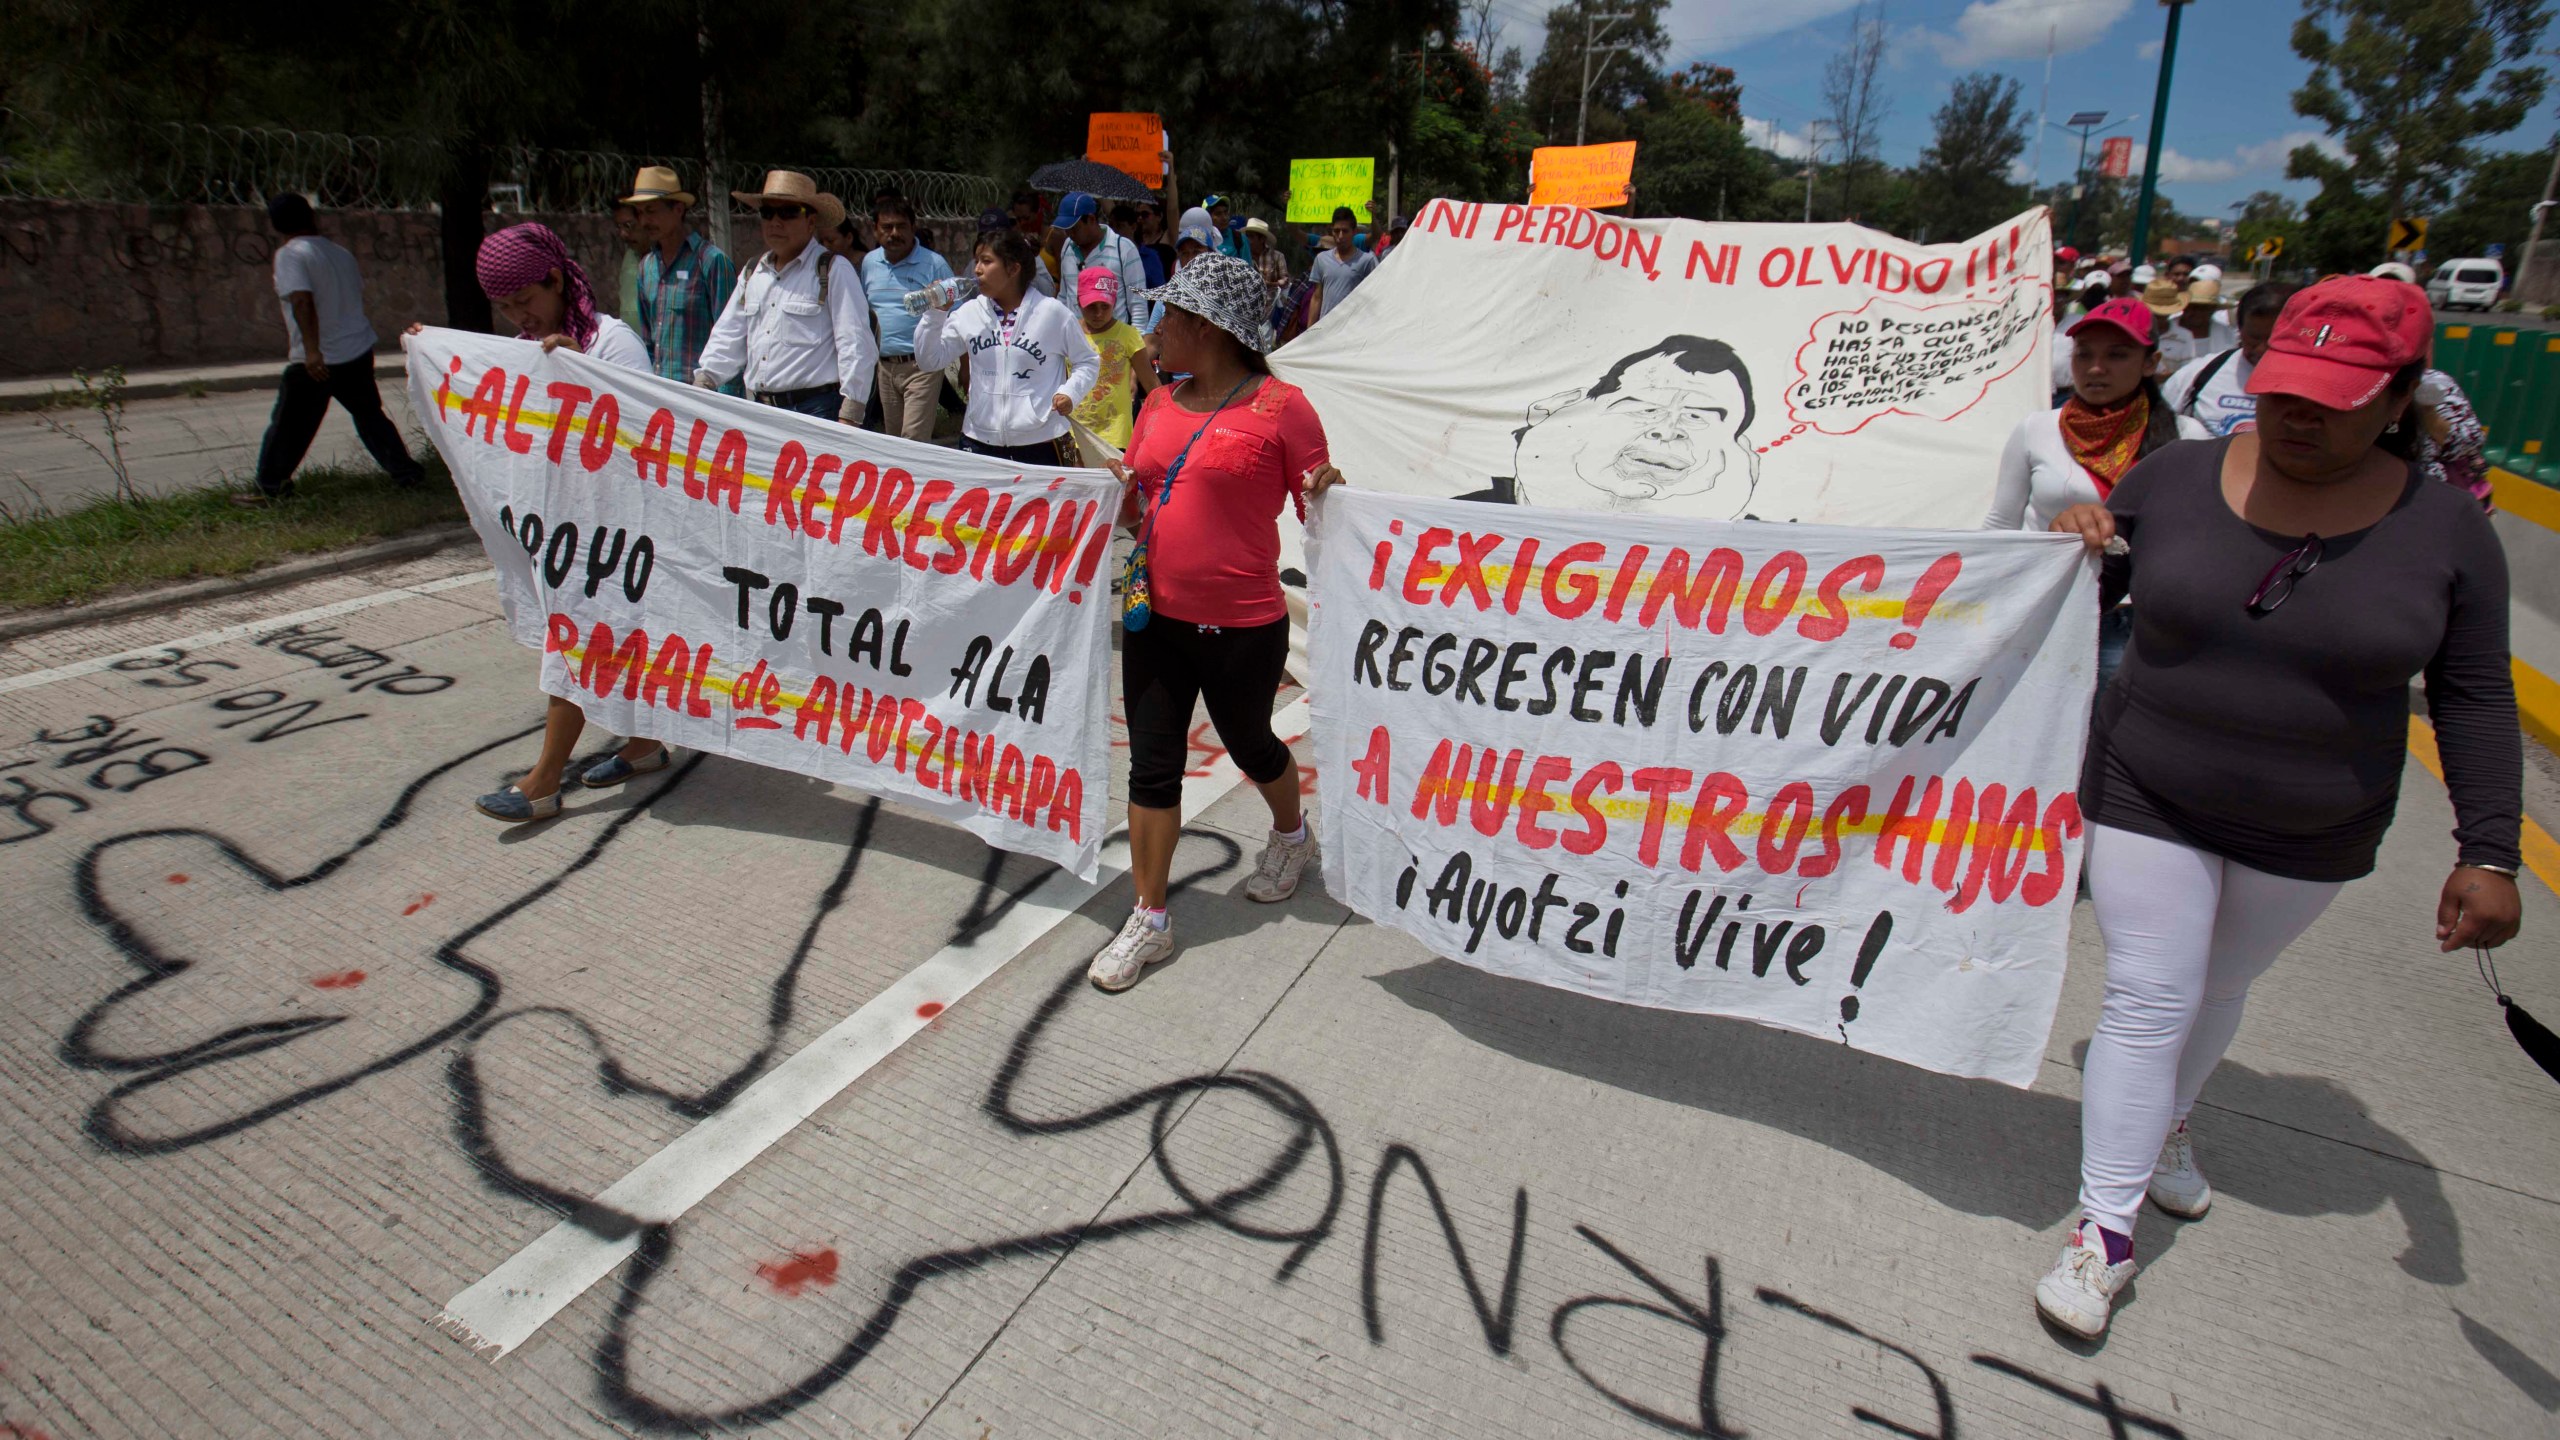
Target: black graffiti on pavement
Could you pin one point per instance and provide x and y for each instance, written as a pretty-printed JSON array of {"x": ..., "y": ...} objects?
[
  {"x": 362, "y": 664},
  {"x": 102, "y": 757}
]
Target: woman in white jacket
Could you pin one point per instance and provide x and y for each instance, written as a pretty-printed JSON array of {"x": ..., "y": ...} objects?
[
  {"x": 2075, "y": 454},
  {"x": 1029, "y": 362}
]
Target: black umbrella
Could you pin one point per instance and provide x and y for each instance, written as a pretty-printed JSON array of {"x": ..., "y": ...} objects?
[{"x": 1091, "y": 176}]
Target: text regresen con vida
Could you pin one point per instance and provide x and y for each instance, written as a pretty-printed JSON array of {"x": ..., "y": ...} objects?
[
  {"x": 1993, "y": 262},
  {"x": 1984, "y": 836},
  {"x": 937, "y": 527}
]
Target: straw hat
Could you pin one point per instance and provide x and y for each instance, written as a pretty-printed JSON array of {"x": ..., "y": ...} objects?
[
  {"x": 2164, "y": 297},
  {"x": 2207, "y": 293},
  {"x": 830, "y": 212},
  {"x": 656, "y": 182},
  {"x": 784, "y": 187}
]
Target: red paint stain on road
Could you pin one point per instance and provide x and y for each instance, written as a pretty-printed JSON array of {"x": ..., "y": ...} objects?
[
  {"x": 343, "y": 980},
  {"x": 803, "y": 1269},
  {"x": 928, "y": 1009},
  {"x": 11, "y": 1430},
  {"x": 421, "y": 903},
  {"x": 177, "y": 879}
]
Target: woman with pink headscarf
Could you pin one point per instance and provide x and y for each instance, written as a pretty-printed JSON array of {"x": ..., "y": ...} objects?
[{"x": 542, "y": 291}]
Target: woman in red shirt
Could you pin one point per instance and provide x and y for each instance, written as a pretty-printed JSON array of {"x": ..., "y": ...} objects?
[{"x": 1212, "y": 462}]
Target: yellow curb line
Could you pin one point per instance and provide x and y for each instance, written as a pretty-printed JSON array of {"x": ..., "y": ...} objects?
[
  {"x": 2528, "y": 500},
  {"x": 2541, "y": 852}
]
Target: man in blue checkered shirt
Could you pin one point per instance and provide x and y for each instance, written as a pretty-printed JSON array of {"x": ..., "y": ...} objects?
[{"x": 684, "y": 279}]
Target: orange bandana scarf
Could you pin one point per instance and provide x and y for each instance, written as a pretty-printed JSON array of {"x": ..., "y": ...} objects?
[{"x": 2106, "y": 442}]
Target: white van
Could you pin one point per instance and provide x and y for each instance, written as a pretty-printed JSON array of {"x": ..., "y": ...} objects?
[{"x": 2475, "y": 283}]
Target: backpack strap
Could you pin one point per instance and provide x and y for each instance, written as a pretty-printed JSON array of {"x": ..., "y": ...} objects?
[{"x": 2204, "y": 377}]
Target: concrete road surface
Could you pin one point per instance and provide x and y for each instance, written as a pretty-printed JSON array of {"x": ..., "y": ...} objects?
[{"x": 299, "y": 1049}]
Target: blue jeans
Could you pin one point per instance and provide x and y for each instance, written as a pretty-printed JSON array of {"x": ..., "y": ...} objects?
[
  {"x": 2115, "y": 631},
  {"x": 823, "y": 402}
]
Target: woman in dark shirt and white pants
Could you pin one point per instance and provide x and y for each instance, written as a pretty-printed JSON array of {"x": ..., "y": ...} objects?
[{"x": 2246, "y": 760}]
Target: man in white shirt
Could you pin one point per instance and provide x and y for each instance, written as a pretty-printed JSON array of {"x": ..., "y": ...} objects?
[
  {"x": 1090, "y": 242},
  {"x": 2214, "y": 391},
  {"x": 329, "y": 354},
  {"x": 799, "y": 333}
]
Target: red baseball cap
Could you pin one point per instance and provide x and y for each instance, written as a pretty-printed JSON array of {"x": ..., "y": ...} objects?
[
  {"x": 2064, "y": 254},
  {"x": 2125, "y": 313},
  {"x": 2338, "y": 342}
]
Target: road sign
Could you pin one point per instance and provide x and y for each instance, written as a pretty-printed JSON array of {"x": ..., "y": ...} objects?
[
  {"x": 2115, "y": 156},
  {"x": 2269, "y": 248},
  {"x": 2496, "y": 250},
  {"x": 2409, "y": 233}
]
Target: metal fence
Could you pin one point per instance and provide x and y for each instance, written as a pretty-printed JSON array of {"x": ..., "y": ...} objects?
[{"x": 242, "y": 165}]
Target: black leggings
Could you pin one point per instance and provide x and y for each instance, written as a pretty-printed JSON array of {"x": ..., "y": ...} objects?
[{"x": 1171, "y": 663}]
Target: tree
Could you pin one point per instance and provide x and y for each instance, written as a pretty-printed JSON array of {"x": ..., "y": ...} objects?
[
  {"x": 2495, "y": 208},
  {"x": 1854, "y": 103},
  {"x": 2405, "y": 86},
  {"x": 2267, "y": 215},
  {"x": 1713, "y": 86},
  {"x": 1961, "y": 185},
  {"x": 1692, "y": 161},
  {"x": 1553, "y": 90}
]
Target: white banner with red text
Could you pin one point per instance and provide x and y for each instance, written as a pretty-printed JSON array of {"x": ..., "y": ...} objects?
[
  {"x": 1825, "y": 779},
  {"x": 909, "y": 620}
]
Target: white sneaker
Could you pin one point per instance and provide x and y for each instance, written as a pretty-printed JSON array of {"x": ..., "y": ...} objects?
[
  {"x": 2082, "y": 1286},
  {"x": 1137, "y": 946},
  {"x": 2177, "y": 1186},
  {"x": 1275, "y": 875}
]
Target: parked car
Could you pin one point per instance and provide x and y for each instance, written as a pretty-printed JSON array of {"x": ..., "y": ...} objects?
[{"x": 2460, "y": 283}]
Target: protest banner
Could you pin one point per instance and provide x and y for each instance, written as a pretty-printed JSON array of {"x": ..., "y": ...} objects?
[
  {"x": 1588, "y": 175},
  {"x": 1821, "y": 778},
  {"x": 1553, "y": 356},
  {"x": 1317, "y": 186},
  {"x": 1131, "y": 143},
  {"x": 913, "y": 621}
]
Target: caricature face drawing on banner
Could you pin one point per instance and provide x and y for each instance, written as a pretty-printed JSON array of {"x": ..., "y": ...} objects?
[
  {"x": 1559, "y": 357},
  {"x": 1666, "y": 422}
]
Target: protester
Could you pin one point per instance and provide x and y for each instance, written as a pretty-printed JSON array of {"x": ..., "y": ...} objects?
[
  {"x": 1124, "y": 223},
  {"x": 1396, "y": 228},
  {"x": 685, "y": 280},
  {"x": 2076, "y": 455},
  {"x": 1341, "y": 267},
  {"x": 1223, "y": 224},
  {"x": 897, "y": 268},
  {"x": 2119, "y": 279},
  {"x": 2451, "y": 439},
  {"x": 2194, "y": 333},
  {"x": 1151, "y": 239},
  {"x": 1125, "y": 372},
  {"x": 2215, "y": 390},
  {"x": 1029, "y": 361},
  {"x": 2247, "y": 759},
  {"x": 1089, "y": 243},
  {"x": 1026, "y": 216},
  {"x": 2181, "y": 271},
  {"x": 1267, "y": 260},
  {"x": 536, "y": 285},
  {"x": 798, "y": 329},
  {"x": 328, "y": 356},
  {"x": 1214, "y": 460},
  {"x": 838, "y": 231},
  {"x": 635, "y": 243}
]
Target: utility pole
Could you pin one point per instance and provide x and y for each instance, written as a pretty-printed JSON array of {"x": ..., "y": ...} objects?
[
  {"x": 1595, "y": 28},
  {"x": 2084, "y": 123},
  {"x": 2044, "y": 102},
  {"x": 2159, "y": 126},
  {"x": 1812, "y": 159},
  {"x": 2533, "y": 244}
]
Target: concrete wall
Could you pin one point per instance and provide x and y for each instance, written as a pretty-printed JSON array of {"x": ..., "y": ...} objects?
[{"x": 86, "y": 285}]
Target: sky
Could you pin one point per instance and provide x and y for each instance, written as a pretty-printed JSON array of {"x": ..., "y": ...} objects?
[{"x": 2230, "y": 116}]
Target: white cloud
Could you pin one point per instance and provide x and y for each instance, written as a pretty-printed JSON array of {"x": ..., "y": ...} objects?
[
  {"x": 2148, "y": 49},
  {"x": 2267, "y": 157},
  {"x": 2020, "y": 172},
  {"x": 1707, "y": 26},
  {"x": 1769, "y": 135},
  {"x": 2020, "y": 29}
]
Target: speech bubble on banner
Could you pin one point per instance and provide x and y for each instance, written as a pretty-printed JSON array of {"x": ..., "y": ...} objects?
[
  {"x": 1130, "y": 143},
  {"x": 1592, "y": 176},
  {"x": 1932, "y": 362},
  {"x": 1317, "y": 186}
]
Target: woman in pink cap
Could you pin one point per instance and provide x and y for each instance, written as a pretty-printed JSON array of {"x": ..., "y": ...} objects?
[
  {"x": 543, "y": 291},
  {"x": 2246, "y": 760},
  {"x": 2074, "y": 455}
]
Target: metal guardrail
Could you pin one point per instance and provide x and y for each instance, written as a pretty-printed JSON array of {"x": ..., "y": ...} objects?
[{"x": 176, "y": 164}]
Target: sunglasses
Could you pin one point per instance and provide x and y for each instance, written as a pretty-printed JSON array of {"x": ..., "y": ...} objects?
[
  {"x": 782, "y": 212},
  {"x": 2277, "y": 587}
]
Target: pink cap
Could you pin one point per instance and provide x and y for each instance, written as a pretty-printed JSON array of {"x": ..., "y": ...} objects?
[
  {"x": 2125, "y": 313},
  {"x": 2337, "y": 343},
  {"x": 1095, "y": 284}
]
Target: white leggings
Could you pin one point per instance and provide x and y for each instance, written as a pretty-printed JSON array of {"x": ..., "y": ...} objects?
[{"x": 2186, "y": 932}]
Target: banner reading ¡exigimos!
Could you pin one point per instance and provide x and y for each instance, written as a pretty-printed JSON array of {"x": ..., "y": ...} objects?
[
  {"x": 910, "y": 620},
  {"x": 1820, "y": 778}
]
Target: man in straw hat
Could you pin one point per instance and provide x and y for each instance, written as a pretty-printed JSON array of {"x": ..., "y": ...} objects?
[
  {"x": 799, "y": 327},
  {"x": 685, "y": 281}
]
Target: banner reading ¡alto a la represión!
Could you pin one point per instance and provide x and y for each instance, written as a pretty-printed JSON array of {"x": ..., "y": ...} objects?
[
  {"x": 732, "y": 578},
  {"x": 1820, "y": 778}
]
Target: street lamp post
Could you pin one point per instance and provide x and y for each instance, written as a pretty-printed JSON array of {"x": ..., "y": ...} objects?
[
  {"x": 2084, "y": 124},
  {"x": 2159, "y": 125}
]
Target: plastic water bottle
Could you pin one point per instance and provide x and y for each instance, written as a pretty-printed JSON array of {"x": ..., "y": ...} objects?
[{"x": 941, "y": 294}]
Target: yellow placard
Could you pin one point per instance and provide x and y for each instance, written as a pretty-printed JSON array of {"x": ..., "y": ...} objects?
[
  {"x": 1593, "y": 176},
  {"x": 1133, "y": 144},
  {"x": 1317, "y": 186}
]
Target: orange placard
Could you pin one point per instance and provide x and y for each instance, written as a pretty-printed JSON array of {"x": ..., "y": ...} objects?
[
  {"x": 1588, "y": 175},
  {"x": 1130, "y": 143}
]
